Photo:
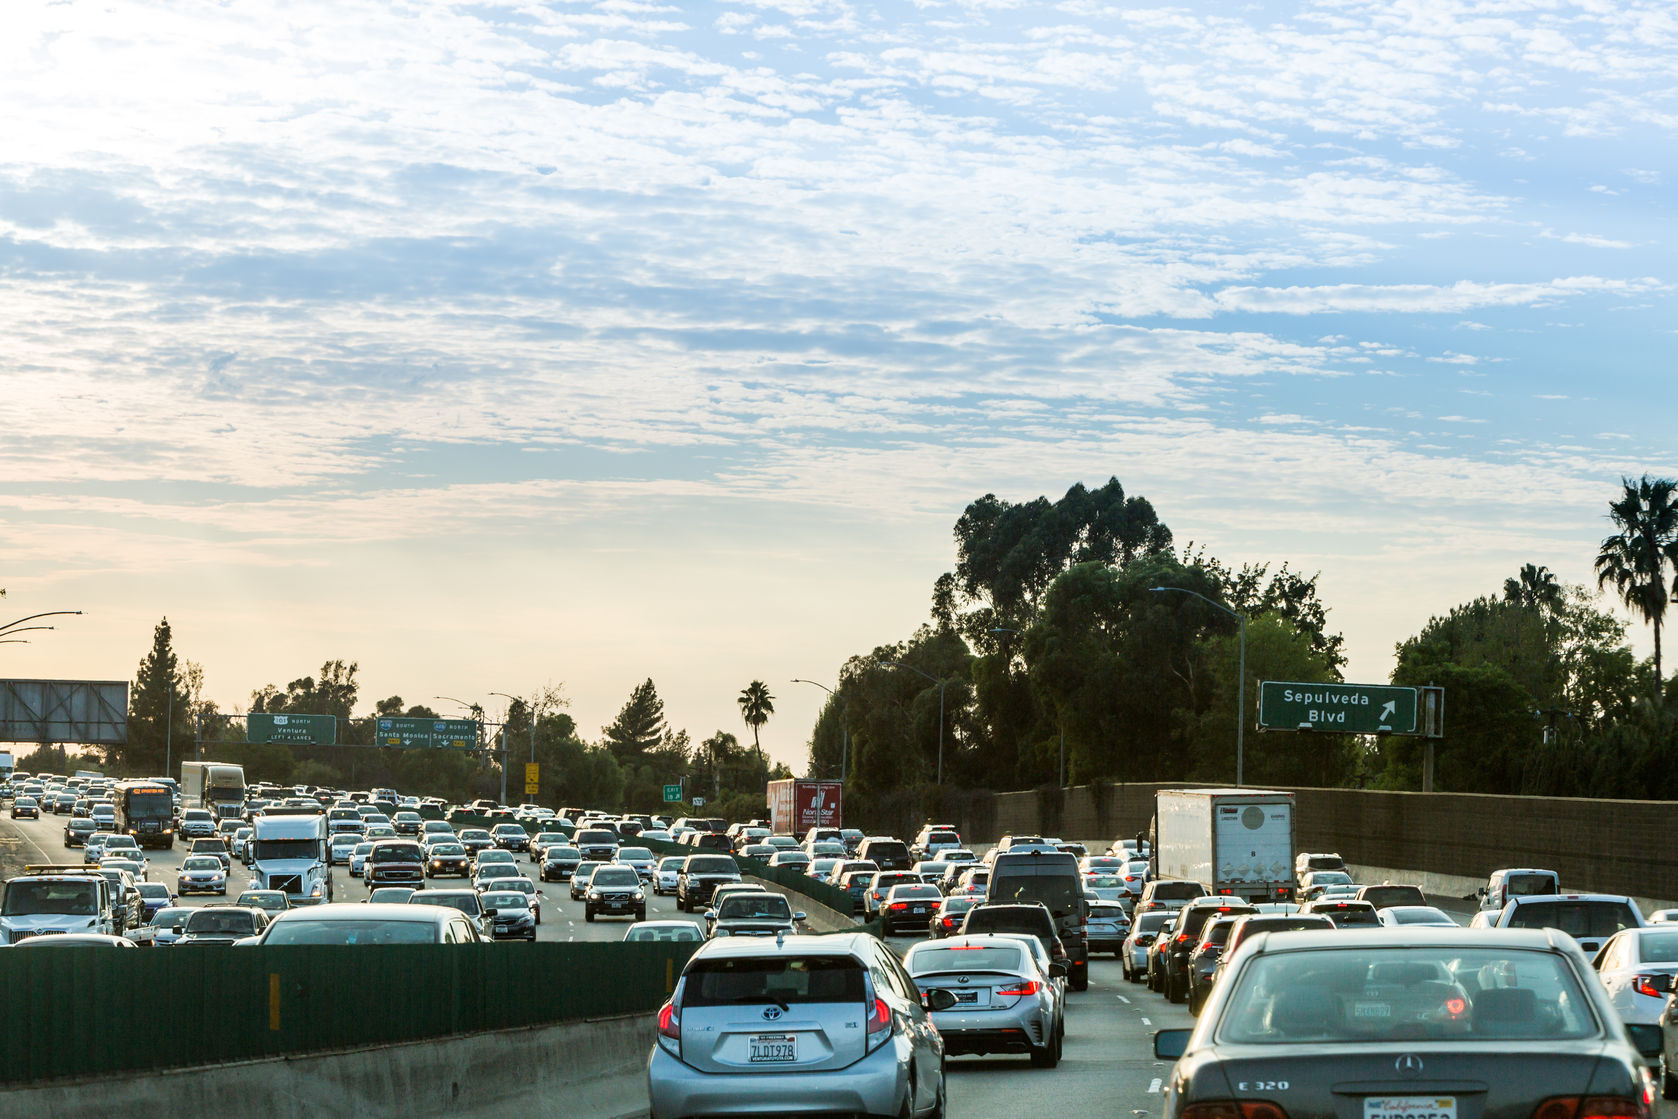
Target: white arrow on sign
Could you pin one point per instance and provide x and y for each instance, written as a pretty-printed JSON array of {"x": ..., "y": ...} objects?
[{"x": 1388, "y": 709}]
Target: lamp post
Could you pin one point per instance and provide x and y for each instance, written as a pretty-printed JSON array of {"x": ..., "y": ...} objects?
[
  {"x": 940, "y": 683},
  {"x": 1241, "y": 684},
  {"x": 1018, "y": 633},
  {"x": 17, "y": 626},
  {"x": 845, "y": 749},
  {"x": 515, "y": 699}
]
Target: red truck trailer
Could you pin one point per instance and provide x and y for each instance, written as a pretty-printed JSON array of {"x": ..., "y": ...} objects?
[{"x": 796, "y": 805}]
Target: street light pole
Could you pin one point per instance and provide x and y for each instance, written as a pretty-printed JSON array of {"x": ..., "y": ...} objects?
[
  {"x": 940, "y": 683},
  {"x": 8, "y": 628},
  {"x": 844, "y": 730},
  {"x": 504, "y": 695},
  {"x": 1241, "y": 684}
]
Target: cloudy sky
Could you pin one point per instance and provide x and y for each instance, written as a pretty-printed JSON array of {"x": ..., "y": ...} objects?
[{"x": 496, "y": 345}]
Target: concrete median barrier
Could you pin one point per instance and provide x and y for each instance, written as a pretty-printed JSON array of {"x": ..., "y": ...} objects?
[{"x": 594, "y": 1069}]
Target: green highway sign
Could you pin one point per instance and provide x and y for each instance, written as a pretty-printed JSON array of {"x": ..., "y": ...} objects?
[
  {"x": 1338, "y": 708},
  {"x": 672, "y": 794},
  {"x": 297, "y": 730},
  {"x": 410, "y": 734}
]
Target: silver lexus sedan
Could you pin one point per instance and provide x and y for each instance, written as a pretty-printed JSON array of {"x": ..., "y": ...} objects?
[{"x": 1004, "y": 1002}]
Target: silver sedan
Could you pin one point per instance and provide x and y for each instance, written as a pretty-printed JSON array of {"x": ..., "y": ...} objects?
[{"x": 1004, "y": 1001}]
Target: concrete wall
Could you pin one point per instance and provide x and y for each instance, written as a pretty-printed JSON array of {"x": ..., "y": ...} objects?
[
  {"x": 1614, "y": 846},
  {"x": 581, "y": 1070}
]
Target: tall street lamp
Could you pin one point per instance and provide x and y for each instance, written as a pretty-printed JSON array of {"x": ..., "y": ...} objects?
[
  {"x": 845, "y": 750},
  {"x": 515, "y": 699},
  {"x": 1018, "y": 633},
  {"x": 1241, "y": 686},
  {"x": 16, "y": 626},
  {"x": 940, "y": 683}
]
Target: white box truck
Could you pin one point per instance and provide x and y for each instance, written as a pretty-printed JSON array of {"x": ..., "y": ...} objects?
[{"x": 1235, "y": 842}]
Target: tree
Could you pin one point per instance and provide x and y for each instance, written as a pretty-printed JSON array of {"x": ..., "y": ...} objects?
[
  {"x": 159, "y": 710},
  {"x": 1535, "y": 586},
  {"x": 756, "y": 705},
  {"x": 1635, "y": 559},
  {"x": 640, "y": 725}
]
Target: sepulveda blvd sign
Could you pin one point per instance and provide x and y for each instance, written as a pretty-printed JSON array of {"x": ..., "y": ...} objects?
[{"x": 1338, "y": 708}]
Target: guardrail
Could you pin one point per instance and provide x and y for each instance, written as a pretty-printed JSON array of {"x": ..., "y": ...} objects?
[{"x": 84, "y": 1012}]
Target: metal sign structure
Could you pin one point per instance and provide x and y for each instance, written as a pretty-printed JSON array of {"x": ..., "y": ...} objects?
[
  {"x": 93, "y": 712},
  {"x": 672, "y": 794},
  {"x": 436, "y": 734},
  {"x": 1337, "y": 708},
  {"x": 293, "y": 730}
]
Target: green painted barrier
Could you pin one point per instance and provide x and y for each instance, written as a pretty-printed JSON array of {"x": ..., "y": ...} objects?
[{"x": 83, "y": 1012}]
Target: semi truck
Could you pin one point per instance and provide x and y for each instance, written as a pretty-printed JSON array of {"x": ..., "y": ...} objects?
[
  {"x": 289, "y": 853},
  {"x": 218, "y": 786},
  {"x": 1235, "y": 842},
  {"x": 797, "y": 804}
]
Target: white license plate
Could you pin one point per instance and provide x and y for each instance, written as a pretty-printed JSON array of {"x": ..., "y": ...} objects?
[
  {"x": 1410, "y": 1107},
  {"x": 773, "y": 1048}
]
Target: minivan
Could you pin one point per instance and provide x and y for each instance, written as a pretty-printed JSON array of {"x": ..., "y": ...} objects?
[
  {"x": 1516, "y": 883},
  {"x": 886, "y": 852},
  {"x": 1053, "y": 880}
]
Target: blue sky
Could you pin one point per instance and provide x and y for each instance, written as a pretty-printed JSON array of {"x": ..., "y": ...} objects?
[{"x": 500, "y": 345}]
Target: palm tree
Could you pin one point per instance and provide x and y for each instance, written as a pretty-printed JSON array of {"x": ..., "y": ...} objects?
[
  {"x": 1636, "y": 558},
  {"x": 1535, "y": 586},
  {"x": 756, "y": 705}
]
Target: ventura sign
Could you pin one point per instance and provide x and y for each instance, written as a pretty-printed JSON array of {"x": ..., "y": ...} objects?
[{"x": 1337, "y": 708}]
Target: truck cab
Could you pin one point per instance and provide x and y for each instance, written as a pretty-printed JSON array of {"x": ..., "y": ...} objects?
[
  {"x": 48, "y": 900},
  {"x": 289, "y": 853}
]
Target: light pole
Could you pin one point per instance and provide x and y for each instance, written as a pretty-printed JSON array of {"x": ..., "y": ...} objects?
[
  {"x": 845, "y": 749},
  {"x": 17, "y": 626},
  {"x": 515, "y": 699},
  {"x": 940, "y": 683},
  {"x": 1241, "y": 685},
  {"x": 476, "y": 712},
  {"x": 1018, "y": 633}
]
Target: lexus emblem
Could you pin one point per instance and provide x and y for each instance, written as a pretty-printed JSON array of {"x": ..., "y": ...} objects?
[
  {"x": 771, "y": 1013},
  {"x": 961, "y": 979},
  {"x": 1409, "y": 1065}
]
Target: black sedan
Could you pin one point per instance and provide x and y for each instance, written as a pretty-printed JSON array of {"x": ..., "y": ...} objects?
[{"x": 1399, "y": 1023}]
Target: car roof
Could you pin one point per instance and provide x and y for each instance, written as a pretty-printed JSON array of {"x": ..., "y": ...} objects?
[
  {"x": 1410, "y": 936},
  {"x": 831, "y": 944},
  {"x": 366, "y": 911},
  {"x": 1531, "y": 899}
]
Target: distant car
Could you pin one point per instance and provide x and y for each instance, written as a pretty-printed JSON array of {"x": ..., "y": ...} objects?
[
  {"x": 476, "y": 840},
  {"x": 669, "y": 869},
  {"x": 358, "y": 857},
  {"x": 560, "y": 861},
  {"x": 269, "y": 901},
  {"x": 201, "y": 874},
  {"x": 1108, "y": 926},
  {"x": 1314, "y": 883},
  {"x": 26, "y": 808},
  {"x": 1106, "y": 887},
  {"x": 76, "y": 831},
  {"x": 1416, "y": 915},
  {"x": 1345, "y": 913},
  {"x": 1133, "y": 954},
  {"x": 511, "y": 837},
  {"x": 159, "y": 929},
  {"x": 511, "y": 915},
  {"x": 677, "y": 932},
  {"x": 614, "y": 891},
  {"x": 758, "y": 913},
  {"x": 523, "y": 886},
  {"x": 579, "y": 879},
  {"x": 946, "y": 919},
  {"x": 220, "y": 925},
  {"x": 197, "y": 823},
  {"x": 391, "y": 895},
  {"x": 470, "y": 903},
  {"x": 909, "y": 905},
  {"x": 154, "y": 896},
  {"x": 407, "y": 823},
  {"x": 641, "y": 858},
  {"x": 341, "y": 846}
]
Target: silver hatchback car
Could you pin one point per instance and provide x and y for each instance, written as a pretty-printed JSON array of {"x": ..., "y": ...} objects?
[{"x": 797, "y": 1025}]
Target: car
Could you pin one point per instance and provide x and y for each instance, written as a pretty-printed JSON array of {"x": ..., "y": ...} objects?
[
  {"x": 242, "y": 844},
  {"x": 875, "y": 895},
  {"x": 1315, "y": 882},
  {"x": 640, "y": 858},
  {"x": 1507, "y": 1022},
  {"x": 469, "y": 903},
  {"x": 934, "y": 839},
  {"x": 666, "y": 873},
  {"x": 211, "y": 846},
  {"x": 561, "y": 860},
  {"x": 909, "y": 905},
  {"x": 1416, "y": 915},
  {"x": 1636, "y": 967},
  {"x": 446, "y": 859},
  {"x": 614, "y": 891},
  {"x": 1004, "y": 1001},
  {"x": 511, "y": 915},
  {"x": 1106, "y": 887},
  {"x": 159, "y": 929},
  {"x": 791, "y": 858},
  {"x": 153, "y": 897},
  {"x": 26, "y": 808},
  {"x": 269, "y": 901},
  {"x": 1168, "y": 893},
  {"x": 1514, "y": 882},
  {"x": 1026, "y": 918},
  {"x": 408, "y": 823},
  {"x": 395, "y": 862},
  {"x": 476, "y": 840},
  {"x": 700, "y": 876},
  {"x": 1307, "y": 862},
  {"x": 523, "y": 886},
  {"x": 1346, "y": 914},
  {"x": 670, "y": 932},
  {"x": 1185, "y": 938},
  {"x": 197, "y": 823},
  {"x": 485, "y": 876},
  {"x": 856, "y": 884},
  {"x": 77, "y": 940},
  {"x": 357, "y": 923},
  {"x": 1589, "y": 919},
  {"x": 1133, "y": 953},
  {"x": 201, "y": 874},
  {"x": 1108, "y": 927},
  {"x": 865, "y": 1043},
  {"x": 104, "y": 815},
  {"x": 579, "y": 879},
  {"x": 597, "y": 844},
  {"x": 120, "y": 860},
  {"x": 358, "y": 857},
  {"x": 542, "y": 840},
  {"x": 219, "y": 926},
  {"x": 947, "y": 918},
  {"x": 391, "y": 895},
  {"x": 77, "y": 830},
  {"x": 752, "y": 913},
  {"x": 341, "y": 846},
  {"x": 1203, "y": 959},
  {"x": 64, "y": 804},
  {"x": 885, "y": 852},
  {"x": 510, "y": 837}
]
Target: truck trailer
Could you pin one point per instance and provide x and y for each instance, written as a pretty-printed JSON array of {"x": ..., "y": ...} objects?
[
  {"x": 217, "y": 786},
  {"x": 1235, "y": 842},
  {"x": 797, "y": 804}
]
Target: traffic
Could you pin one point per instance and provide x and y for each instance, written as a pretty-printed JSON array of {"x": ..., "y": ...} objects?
[{"x": 958, "y": 967}]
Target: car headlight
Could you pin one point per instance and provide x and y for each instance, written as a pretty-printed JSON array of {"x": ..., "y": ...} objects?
[{"x": 639, "y": 896}]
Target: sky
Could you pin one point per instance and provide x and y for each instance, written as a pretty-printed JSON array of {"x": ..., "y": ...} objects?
[{"x": 496, "y": 346}]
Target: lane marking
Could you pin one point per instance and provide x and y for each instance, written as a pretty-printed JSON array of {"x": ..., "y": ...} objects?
[
  {"x": 1153, "y": 1085},
  {"x": 1146, "y": 1022},
  {"x": 1122, "y": 999}
]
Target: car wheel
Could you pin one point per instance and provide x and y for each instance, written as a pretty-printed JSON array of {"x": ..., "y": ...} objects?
[
  {"x": 1173, "y": 990},
  {"x": 1080, "y": 977},
  {"x": 640, "y": 914},
  {"x": 588, "y": 914},
  {"x": 1047, "y": 1056},
  {"x": 1669, "y": 1085},
  {"x": 1196, "y": 1001}
]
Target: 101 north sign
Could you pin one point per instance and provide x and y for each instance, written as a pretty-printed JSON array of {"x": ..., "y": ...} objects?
[{"x": 1337, "y": 708}]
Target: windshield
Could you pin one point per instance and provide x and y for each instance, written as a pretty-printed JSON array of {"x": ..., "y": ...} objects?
[
  {"x": 756, "y": 980},
  {"x": 169, "y": 917},
  {"x": 597, "y": 837},
  {"x": 711, "y": 865},
  {"x": 220, "y": 921},
  {"x": 79, "y": 899},
  {"x": 351, "y": 932},
  {"x": 927, "y": 960},
  {"x": 396, "y": 853},
  {"x": 1411, "y": 993},
  {"x": 150, "y": 806},
  {"x": 754, "y": 907},
  {"x": 615, "y": 876},
  {"x": 202, "y": 862},
  {"x": 1575, "y": 918},
  {"x": 506, "y": 901},
  {"x": 466, "y": 903},
  {"x": 448, "y": 849},
  {"x": 287, "y": 849}
]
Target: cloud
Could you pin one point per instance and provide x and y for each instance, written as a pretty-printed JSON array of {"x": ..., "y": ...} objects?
[{"x": 1422, "y": 298}]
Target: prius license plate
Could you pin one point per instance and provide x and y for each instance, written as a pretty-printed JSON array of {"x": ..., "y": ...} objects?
[
  {"x": 1410, "y": 1107},
  {"x": 773, "y": 1048}
]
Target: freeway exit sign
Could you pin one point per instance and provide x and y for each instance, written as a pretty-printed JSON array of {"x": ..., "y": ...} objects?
[
  {"x": 296, "y": 730},
  {"x": 1338, "y": 708},
  {"x": 408, "y": 734},
  {"x": 672, "y": 794}
]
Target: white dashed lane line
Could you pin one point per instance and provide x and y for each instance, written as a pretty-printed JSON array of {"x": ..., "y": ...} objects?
[
  {"x": 1146, "y": 1022},
  {"x": 1153, "y": 1085}
]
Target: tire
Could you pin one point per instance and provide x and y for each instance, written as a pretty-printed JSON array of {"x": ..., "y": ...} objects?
[
  {"x": 640, "y": 914},
  {"x": 588, "y": 915},
  {"x": 1079, "y": 980},
  {"x": 1049, "y": 1055},
  {"x": 1124, "y": 968},
  {"x": 1173, "y": 991},
  {"x": 1669, "y": 1085},
  {"x": 538, "y": 921},
  {"x": 1196, "y": 1001}
]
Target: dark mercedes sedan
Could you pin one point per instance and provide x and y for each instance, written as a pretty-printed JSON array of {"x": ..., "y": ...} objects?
[{"x": 1410, "y": 1023}]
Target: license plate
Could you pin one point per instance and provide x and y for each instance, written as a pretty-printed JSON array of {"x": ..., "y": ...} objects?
[
  {"x": 967, "y": 997},
  {"x": 1410, "y": 1107},
  {"x": 773, "y": 1048},
  {"x": 919, "y": 910},
  {"x": 1372, "y": 1011}
]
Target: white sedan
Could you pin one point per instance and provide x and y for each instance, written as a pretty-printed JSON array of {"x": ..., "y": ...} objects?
[
  {"x": 1395, "y": 915},
  {"x": 1635, "y": 965},
  {"x": 664, "y": 878}
]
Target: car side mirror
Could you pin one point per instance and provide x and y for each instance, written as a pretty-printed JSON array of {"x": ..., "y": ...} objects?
[
  {"x": 491, "y": 912},
  {"x": 178, "y": 930},
  {"x": 799, "y": 917},
  {"x": 1647, "y": 1039},
  {"x": 710, "y": 914},
  {"x": 1170, "y": 1044},
  {"x": 1665, "y": 983},
  {"x": 1057, "y": 971},
  {"x": 938, "y": 999}
]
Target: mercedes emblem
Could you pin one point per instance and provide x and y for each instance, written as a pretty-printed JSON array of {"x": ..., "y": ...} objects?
[{"x": 1409, "y": 1065}]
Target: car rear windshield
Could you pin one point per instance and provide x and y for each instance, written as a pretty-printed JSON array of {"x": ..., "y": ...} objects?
[
  {"x": 1405, "y": 994},
  {"x": 712, "y": 865},
  {"x": 787, "y": 980},
  {"x": 467, "y": 903},
  {"x": 1012, "y": 918},
  {"x": 1062, "y": 893},
  {"x": 1177, "y": 891},
  {"x": 1575, "y": 918},
  {"x": 963, "y": 959},
  {"x": 352, "y": 932},
  {"x": 1529, "y": 885},
  {"x": 943, "y": 837},
  {"x": 1151, "y": 921},
  {"x": 1658, "y": 947},
  {"x": 397, "y": 853},
  {"x": 890, "y": 848},
  {"x": 1325, "y": 862}
]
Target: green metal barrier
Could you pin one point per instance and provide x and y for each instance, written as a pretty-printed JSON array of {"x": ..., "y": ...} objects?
[
  {"x": 83, "y": 1012},
  {"x": 796, "y": 881}
]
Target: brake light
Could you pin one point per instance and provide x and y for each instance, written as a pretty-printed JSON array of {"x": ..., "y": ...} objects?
[
  {"x": 1183, "y": 937},
  {"x": 880, "y": 1024},
  {"x": 1234, "y": 1109},
  {"x": 900, "y": 905},
  {"x": 670, "y": 1028},
  {"x": 1029, "y": 987},
  {"x": 1591, "y": 1107},
  {"x": 1645, "y": 985}
]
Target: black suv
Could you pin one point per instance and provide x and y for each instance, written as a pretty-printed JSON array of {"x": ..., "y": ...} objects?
[
  {"x": 700, "y": 875},
  {"x": 885, "y": 852},
  {"x": 1050, "y": 879},
  {"x": 1191, "y": 919},
  {"x": 1032, "y": 920}
]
